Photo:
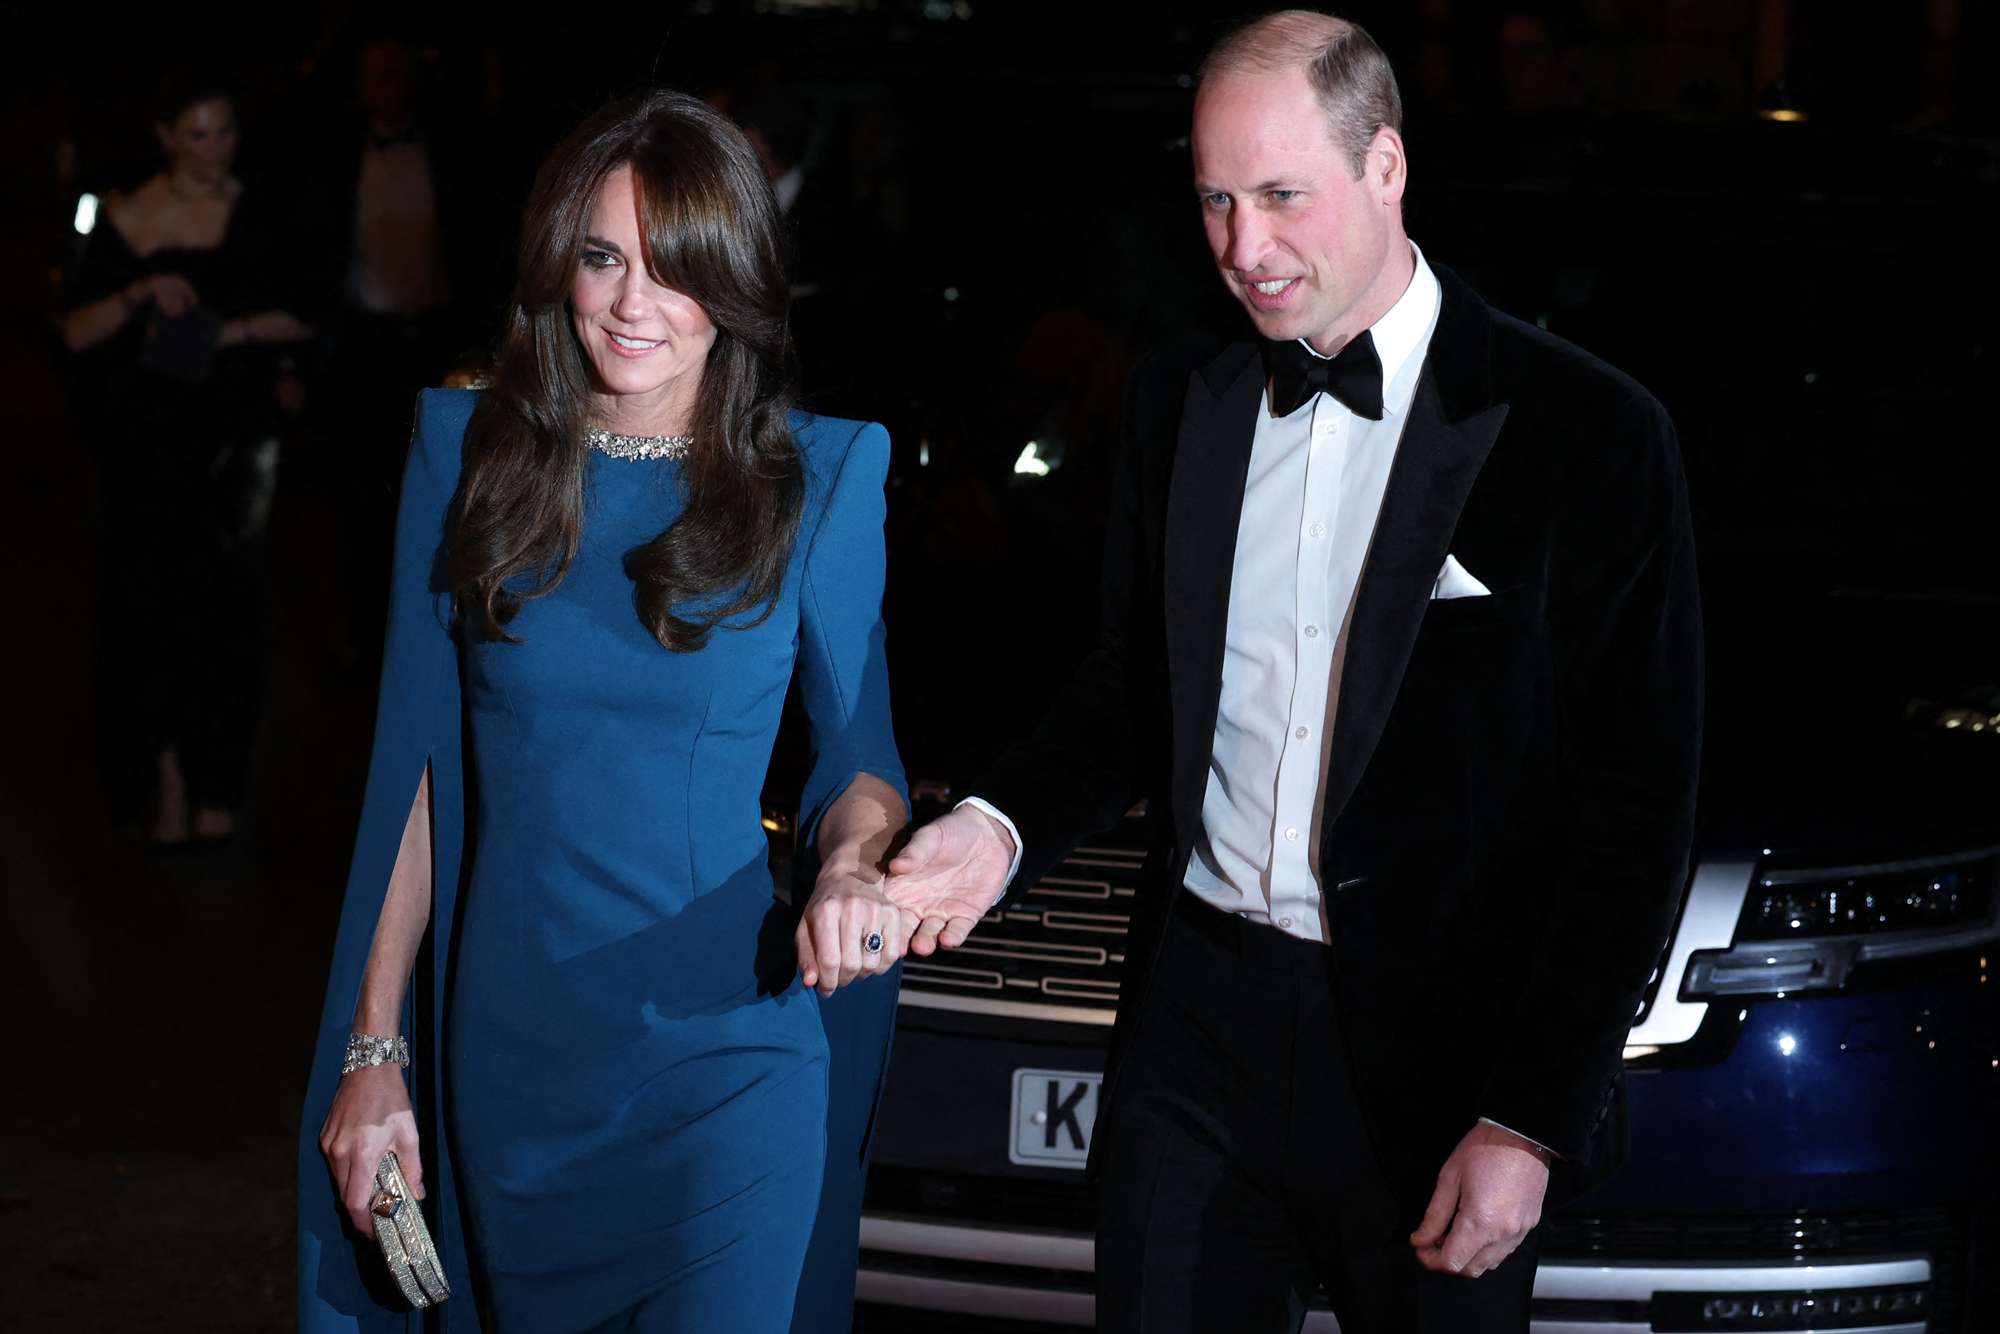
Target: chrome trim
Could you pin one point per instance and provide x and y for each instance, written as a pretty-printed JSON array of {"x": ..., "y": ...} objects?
[
  {"x": 1080, "y": 988},
  {"x": 1896, "y": 944},
  {"x": 1708, "y": 922},
  {"x": 1637, "y": 1283},
  {"x": 1645, "y": 1327},
  {"x": 1070, "y": 919},
  {"x": 1007, "y": 1009},
  {"x": 945, "y": 975},
  {"x": 964, "y": 1297},
  {"x": 1031, "y": 1247},
  {"x": 1075, "y": 1252},
  {"x": 1117, "y": 856},
  {"x": 1063, "y": 887},
  {"x": 1053, "y": 951},
  {"x": 1811, "y": 875},
  {"x": 1904, "y": 944},
  {"x": 1103, "y": 861}
]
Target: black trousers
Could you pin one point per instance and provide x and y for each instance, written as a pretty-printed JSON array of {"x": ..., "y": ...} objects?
[
  {"x": 183, "y": 624},
  {"x": 1238, "y": 1177}
]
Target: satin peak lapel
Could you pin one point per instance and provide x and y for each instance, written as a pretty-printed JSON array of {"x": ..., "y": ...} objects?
[
  {"x": 1437, "y": 462},
  {"x": 1204, "y": 506}
]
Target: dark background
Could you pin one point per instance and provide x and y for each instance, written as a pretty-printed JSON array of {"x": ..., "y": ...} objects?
[{"x": 1809, "y": 295}]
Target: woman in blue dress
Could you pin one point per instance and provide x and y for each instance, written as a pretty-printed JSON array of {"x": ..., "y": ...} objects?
[{"x": 610, "y": 565}]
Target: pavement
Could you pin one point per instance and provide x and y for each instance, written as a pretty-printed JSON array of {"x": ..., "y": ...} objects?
[{"x": 157, "y": 1008}]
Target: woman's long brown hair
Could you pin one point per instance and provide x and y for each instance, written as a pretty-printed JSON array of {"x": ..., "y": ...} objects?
[{"x": 710, "y": 231}]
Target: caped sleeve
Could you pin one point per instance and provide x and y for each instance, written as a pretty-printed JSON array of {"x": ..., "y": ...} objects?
[
  {"x": 343, "y": 1284},
  {"x": 843, "y": 673}
]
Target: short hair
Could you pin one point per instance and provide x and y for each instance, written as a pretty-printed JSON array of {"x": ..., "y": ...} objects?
[{"x": 1348, "y": 72}]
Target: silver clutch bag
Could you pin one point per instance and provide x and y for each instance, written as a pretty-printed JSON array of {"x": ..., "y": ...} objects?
[{"x": 405, "y": 1241}]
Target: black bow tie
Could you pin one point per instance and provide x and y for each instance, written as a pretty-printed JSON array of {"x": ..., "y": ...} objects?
[{"x": 1354, "y": 376}]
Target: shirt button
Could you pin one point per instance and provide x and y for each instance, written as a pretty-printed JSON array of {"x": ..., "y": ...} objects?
[
  {"x": 1317, "y": 530},
  {"x": 1301, "y": 733},
  {"x": 1312, "y": 632},
  {"x": 1291, "y": 836},
  {"x": 1285, "y": 923}
]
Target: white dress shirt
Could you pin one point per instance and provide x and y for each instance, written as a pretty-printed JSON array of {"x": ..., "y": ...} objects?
[
  {"x": 398, "y": 265},
  {"x": 1310, "y": 501},
  {"x": 787, "y": 188},
  {"x": 1309, "y": 505}
]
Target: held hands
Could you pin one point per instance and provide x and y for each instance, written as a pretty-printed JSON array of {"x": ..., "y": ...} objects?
[
  {"x": 1489, "y": 1195},
  {"x": 847, "y": 912},
  {"x": 370, "y": 1116},
  {"x": 949, "y": 875},
  {"x": 266, "y": 326}
]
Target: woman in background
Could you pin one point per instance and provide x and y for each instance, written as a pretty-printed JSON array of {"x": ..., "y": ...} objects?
[
  {"x": 610, "y": 566},
  {"x": 174, "y": 314}
]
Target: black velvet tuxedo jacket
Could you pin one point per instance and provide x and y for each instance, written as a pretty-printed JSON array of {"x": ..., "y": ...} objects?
[{"x": 1509, "y": 801}]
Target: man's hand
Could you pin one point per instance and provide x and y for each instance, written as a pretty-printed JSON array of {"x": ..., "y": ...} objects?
[
  {"x": 1489, "y": 1194},
  {"x": 847, "y": 906},
  {"x": 950, "y": 874}
]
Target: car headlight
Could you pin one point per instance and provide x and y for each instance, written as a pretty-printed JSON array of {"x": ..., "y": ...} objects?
[{"x": 1804, "y": 930}]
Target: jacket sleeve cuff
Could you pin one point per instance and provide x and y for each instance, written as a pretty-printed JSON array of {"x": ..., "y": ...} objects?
[{"x": 1487, "y": 1120}]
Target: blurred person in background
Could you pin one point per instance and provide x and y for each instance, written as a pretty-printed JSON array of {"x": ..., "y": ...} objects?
[
  {"x": 779, "y": 125},
  {"x": 181, "y": 375},
  {"x": 610, "y": 565},
  {"x": 400, "y": 266},
  {"x": 823, "y": 256}
]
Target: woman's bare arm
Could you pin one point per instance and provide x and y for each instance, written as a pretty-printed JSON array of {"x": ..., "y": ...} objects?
[
  {"x": 400, "y": 929},
  {"x": 371, "y": 1111}
]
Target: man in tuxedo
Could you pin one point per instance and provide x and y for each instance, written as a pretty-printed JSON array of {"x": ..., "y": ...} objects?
[{"x": 1400, "y": 640}]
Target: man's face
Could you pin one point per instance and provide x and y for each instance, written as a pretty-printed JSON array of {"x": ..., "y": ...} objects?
[
  {"x": 387, "y": 81},
  {"x": 1310, "y": 251}
]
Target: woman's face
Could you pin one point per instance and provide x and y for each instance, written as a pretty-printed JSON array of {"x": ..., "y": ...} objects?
[
  {"x": 646, "y": 343},
  {"x": 201, "y": 143}
]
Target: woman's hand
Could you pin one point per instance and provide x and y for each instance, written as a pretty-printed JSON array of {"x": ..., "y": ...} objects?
[
  {"x": 266, "y": 326},
  {"x": 171, "y": 293},
  {"x": 370, "y": 1115},
  {"x": 277, "y": 326},
  {"x": 847, "y": 908}
]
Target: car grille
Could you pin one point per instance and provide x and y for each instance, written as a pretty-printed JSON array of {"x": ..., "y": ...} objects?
[
  {"x": 1575, "y": 1244},
  {"x": 1062, "y": 947},
  {"x": 1749, "y": 1236},
  {"x": 1693, "y": 1238},
  {"x": 1013, "y": 1201}
]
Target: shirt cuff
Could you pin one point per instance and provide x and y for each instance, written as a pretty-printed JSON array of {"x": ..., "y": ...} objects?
[
  {"x": 1013, "y": 833},
  {"x": 1553, "y": 1155}
]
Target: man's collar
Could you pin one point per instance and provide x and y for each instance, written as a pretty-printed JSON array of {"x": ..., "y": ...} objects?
[{"x": 1402, "y": 335}]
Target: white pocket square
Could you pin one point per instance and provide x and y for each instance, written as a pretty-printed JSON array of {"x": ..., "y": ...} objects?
[{"x": 1454, "y": 581}]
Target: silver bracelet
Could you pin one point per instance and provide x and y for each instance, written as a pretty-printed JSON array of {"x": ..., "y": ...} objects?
[{"x": 366, "y": 1049}]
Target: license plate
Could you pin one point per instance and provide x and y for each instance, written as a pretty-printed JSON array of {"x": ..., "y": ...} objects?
[{"x": 1054, "y": 1111}]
